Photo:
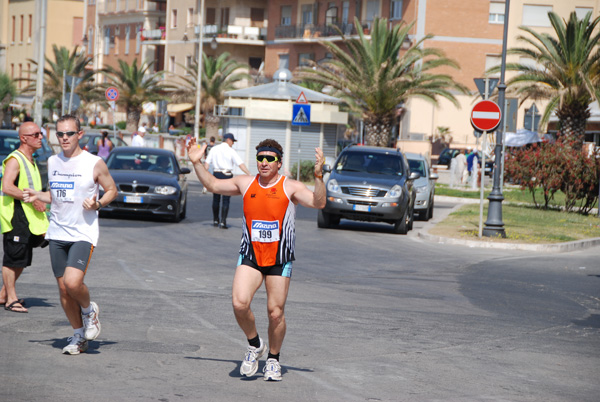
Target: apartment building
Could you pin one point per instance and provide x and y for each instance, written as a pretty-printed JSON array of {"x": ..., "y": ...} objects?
[
  {"x": 19, "y": 32},
  {"x": 116, "y": 29}
]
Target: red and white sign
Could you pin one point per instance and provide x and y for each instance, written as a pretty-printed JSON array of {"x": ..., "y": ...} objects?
[
  {"x": 485, "y": 115},
  {"x": 112, "y": 94},
  {"x": 302, "y": 98}
]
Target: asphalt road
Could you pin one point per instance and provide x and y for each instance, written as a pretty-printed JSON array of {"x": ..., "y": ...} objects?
[{"x": 372, "y": 316}]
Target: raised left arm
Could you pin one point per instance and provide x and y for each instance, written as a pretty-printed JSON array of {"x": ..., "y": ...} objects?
[{"x": 302, "y": 195}]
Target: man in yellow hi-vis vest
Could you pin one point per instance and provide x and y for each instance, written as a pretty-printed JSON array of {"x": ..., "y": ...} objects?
[{"x": 23, "y": 224}]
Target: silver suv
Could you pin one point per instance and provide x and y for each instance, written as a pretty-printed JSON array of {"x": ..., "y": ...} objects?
[{"x": 370, "y": 184}]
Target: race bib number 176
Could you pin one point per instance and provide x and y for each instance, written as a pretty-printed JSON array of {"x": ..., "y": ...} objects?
[{"x": 63, "y": 191}]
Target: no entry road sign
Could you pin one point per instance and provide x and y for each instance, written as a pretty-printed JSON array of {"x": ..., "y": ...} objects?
[{"x": 485, "y": 115}]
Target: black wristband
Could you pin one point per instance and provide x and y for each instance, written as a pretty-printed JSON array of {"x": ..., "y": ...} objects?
[{"x": 99, "y": 205}]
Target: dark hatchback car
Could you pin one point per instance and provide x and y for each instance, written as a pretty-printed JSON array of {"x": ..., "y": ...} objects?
[
  {"x": 149, "y": 181},
  {"x": 89, "y": 142},
  {"x": 9, "y": 141},
  {"x": 370, "y": 184}
]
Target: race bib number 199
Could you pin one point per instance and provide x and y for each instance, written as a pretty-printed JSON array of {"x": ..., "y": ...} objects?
[
  {"x": 265, "y": 231},
  {"x": 63, "y": 191}
]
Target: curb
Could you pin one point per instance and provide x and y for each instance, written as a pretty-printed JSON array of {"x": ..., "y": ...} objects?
[{"x": 548, "y": 248}]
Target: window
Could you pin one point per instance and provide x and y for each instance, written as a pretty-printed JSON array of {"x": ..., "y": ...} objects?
[
  {"x": 190, "y": 17},
  {"x": 20, "y": 74},
  {"x": 345, "y": 11},
  {"x": 286, "y": 15},
  {"x": 396, "y": 10},
  {"x": 117, "y": 34},
  {"x": 536, "y": 16},
  {"x": 303, "y": 59},
  {"x": 255, "y": 62},
  {"x": 582, "y": 11},
  {"x": 225, "y": 17},
  {"x": 172, "y": 64},
  {"x": 372, "y": 9},
  {"x": 127, "y": 37},
  {"x": 257, "y": 17},
  {"x": 90, "y": 44},
  {"x": 211, "y": 16},
  {"x": 106, "y": 40},
  {"x": 496, "y": 13},
  {"x": 284, "y": 61},
  {"x": 138, "y": 39},
  {"x": 188, "y": 64},
  {"x": 12, "y": 70},
  {"x": 28, "y": 71},
  {"x": 14, "y": 25},
  {"x": 307, "y": 14},
  {"x": 174, "y": 18},
  {"x": 30, "y": 28},
  {"x": 331, "y": 14},
  {"x": 493, "y": 60}
]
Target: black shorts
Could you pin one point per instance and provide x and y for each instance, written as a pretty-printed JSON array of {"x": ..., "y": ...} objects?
[
  {"x": 65, "y": 254},
  {"x": 16, "y": 255},
  {"x": 284, "y": 270}
]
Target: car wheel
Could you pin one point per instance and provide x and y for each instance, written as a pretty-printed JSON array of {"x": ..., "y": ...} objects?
[
  {"x": 334, "y": 219},
  {"x": 422, "y": 215},
  {"x": 430, "y": 211},
  {"x": 323, "y": 219},
  {"x": 411, "y": 218},
  {"x": 177, "y": 215},
  {"x": 401, "y": 225}
]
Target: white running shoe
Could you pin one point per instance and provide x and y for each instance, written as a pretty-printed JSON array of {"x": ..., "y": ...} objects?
[
  {"x": 272, "y": 370},
  {"x": 76, "y": 345},
  {"x": 91, "y": 323},
  {"x": 250, "y": 364}
]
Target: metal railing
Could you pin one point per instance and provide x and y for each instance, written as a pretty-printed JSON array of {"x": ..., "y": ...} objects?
[{"x": 315, "y": 31}]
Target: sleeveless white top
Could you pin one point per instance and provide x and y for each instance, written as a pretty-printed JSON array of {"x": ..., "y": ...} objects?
[{"x": 71, "y": 180}]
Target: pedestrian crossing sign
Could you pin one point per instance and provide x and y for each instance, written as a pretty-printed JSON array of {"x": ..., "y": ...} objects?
[{"x": 301, "y": 115}]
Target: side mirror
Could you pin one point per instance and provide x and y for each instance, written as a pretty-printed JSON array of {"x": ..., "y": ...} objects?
[
  {"x": 326, "y": 169},
  {"x": 185, "y": 170},
  {"x": 414, "y": 176},
  {"x": 434, "y": 176}
]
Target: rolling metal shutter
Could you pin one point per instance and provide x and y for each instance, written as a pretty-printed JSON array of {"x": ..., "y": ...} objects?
[{"x": 261, "y": 130}]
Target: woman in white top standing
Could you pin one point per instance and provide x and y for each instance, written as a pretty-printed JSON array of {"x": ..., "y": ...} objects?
[{"x": 73, "y": 178}]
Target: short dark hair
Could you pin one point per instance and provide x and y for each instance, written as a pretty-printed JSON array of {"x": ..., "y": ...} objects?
[
  {"x": 270, "y": 143},
  {"x": 68, "y": 117}
]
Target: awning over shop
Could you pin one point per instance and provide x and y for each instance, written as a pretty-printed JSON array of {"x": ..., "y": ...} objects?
[{"x": 174, "y": 108}]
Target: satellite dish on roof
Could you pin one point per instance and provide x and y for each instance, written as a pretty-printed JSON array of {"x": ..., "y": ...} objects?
[{"x": 282, "y": 75}]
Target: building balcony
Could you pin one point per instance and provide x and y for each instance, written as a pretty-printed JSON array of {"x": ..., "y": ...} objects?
[
  {"x": 310, "y": 31},
  {"x": 154, "y": 34},
  {"x": 233, "y": 32}
]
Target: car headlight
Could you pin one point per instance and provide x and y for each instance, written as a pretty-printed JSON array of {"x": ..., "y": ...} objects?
[
  {"x": 165, "y": 190},
  {"x": 421, "y": 189},
  {"x": 333, "y": 186},
  {"x": 395, "y": 191}
]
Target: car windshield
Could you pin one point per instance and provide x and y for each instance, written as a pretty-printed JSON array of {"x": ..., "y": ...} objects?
[
  {"x": 141, "y": 161},
  {"x": 417, "y": 166},
  {"x": 9, "y": 144},
  {"x": 374, "y": 163}
]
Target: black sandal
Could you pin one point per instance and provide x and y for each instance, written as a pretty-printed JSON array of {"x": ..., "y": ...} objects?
[{"x": 12, "y": 307}]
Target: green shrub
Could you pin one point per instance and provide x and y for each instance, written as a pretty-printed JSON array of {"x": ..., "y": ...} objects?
[
  {"x": 121, "y": 125},
  {"x": 307, "y": 170}
]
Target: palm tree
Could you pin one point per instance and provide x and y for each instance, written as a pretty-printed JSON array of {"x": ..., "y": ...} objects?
[
  {"x": 219, "y": 74},
  {"x": 8, "y": 91},
  {"x": 136, "y": 85},
  {"x": 374, "y": 78},
  {"x": 72, "y": 63},
  {"x": 567, "y": 71}
]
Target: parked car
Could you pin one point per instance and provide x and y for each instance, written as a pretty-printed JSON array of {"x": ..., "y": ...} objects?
[
  {"x": 89, "y": 142},
  {"x": 370, "y": 184},
  {"x": 424, "y": 185},
  {"x": 149, "y": 182},
  {"x": 9, "y": 141}
]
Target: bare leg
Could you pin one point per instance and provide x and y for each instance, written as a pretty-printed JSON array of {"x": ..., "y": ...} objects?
[
  {"x": 74, "y": 294},
  {"x": 277, "y": 291},
  {"x": 246, "y": 282},
  {"x": 8, "y": 293}
]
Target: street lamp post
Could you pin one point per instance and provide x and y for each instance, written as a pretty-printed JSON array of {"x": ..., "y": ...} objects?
[
  {"x": 494, "y": 226},
  {"x": 41, "y": 6},
  {"x": 199, "y": 72}
]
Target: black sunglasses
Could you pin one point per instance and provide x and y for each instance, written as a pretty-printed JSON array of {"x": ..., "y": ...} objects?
[
  {"x": 34, "y": 135},
  {"x": 269, "y": 158},
  {"x": 61, "y": 134}
]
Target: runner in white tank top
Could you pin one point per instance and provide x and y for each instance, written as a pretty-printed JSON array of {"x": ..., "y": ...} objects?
[{"x": 74, "y": 176}]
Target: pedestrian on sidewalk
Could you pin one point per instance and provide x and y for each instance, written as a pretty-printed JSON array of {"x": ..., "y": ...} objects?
[
  {"x": 223, "y": 159},
  {"x": 23, "y": 224},
  {"x": 73, "y": 177},
  {"x": 268, "y": 242}
]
